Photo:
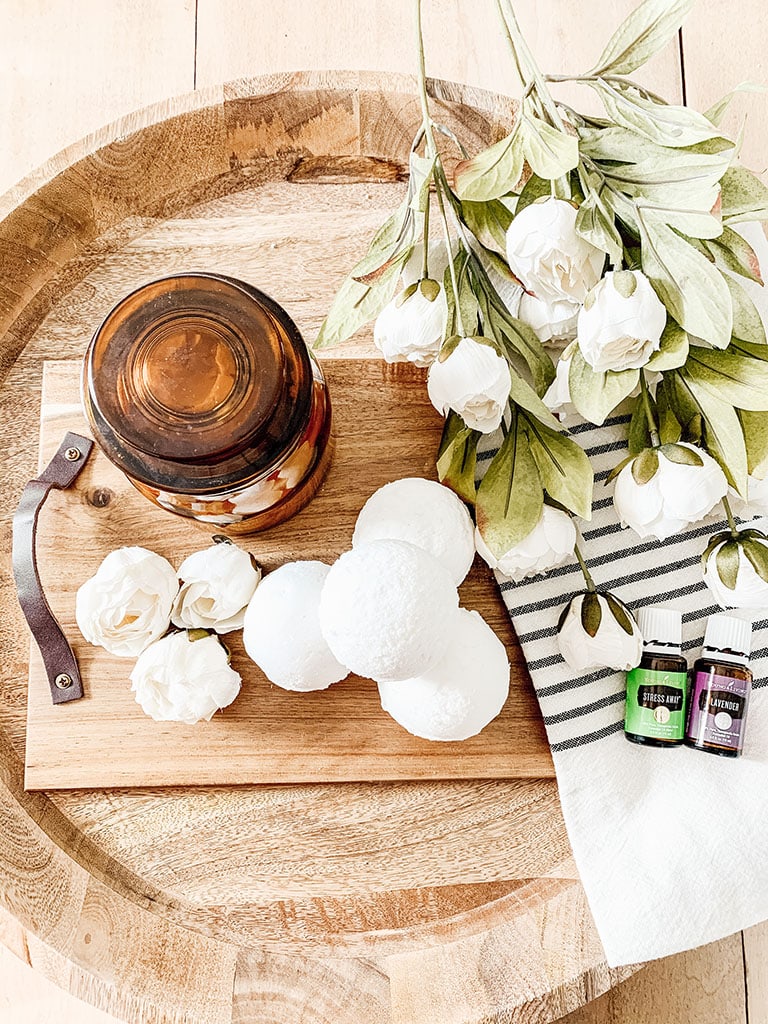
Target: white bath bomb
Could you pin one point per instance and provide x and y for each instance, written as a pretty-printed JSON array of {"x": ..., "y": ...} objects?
[
  {"x": 462, "y": 693},
  {"x": 281, "y": 631},
  {"x": 388, "y": 609},
  {"x": 426, "y": 514}
]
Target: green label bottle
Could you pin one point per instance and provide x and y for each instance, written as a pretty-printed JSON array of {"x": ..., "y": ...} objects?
[{"x": 657, "y": 690}]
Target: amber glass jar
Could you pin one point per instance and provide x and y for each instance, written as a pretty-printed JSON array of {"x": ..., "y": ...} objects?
[{"x": 201, "y": 389}]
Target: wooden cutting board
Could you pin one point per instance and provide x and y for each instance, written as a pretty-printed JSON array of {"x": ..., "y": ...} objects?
[{"x": 385, "y": 428}]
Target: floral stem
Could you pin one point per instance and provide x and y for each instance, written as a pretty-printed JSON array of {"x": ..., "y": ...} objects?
[
  {"x": 729, "y": 516},
  {"x": 653, "y": 428},
  {"x": 524, "y": 57},
  {"x": 585, "y": 570},
  {"x": 425, "y": 255},
  {"x": 432, "y": 152}
]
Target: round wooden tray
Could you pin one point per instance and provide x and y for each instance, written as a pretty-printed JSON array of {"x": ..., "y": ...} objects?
[{"x": 409, "y": 902}]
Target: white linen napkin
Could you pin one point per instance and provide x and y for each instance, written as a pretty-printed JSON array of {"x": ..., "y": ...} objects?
[{"x": 671, "y": 844}]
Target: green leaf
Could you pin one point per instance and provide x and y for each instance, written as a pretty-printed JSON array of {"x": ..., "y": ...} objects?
[
  {"x": 731, "y": 377},
  {"x": 716, "y": 111},
  {"x": 653, "y": 163},
  {"x": 666, "y": 125},
  {"x": 468, "y": 305},
  {"x": 518, "y": 338},
  {"x": 755, "y": 427},
  {"x": 488, "y": 222},
  {"x": 672, "y": 351},
  {"x": 564, "y": 469},
  {"x": 757, "y": 553},
  {"x": 732, "y": 252},
  {"x": 620, "y": 613},
  {"x": 670, "y": 428},
  {"x": 692, "y": 289},
  {"x": 355, "y": 304},
  {"x": 680, "y": 454},
  {"x": 639, "y": 436},
  {"x": 510, "y": 497},
  {"x": 642, "y": 33},
  {"x": 493, "y": 172},
  {"x": 722, "y": 437},
  {"x": 536, "y": 188},
  {"x": 523, "y": 395},
  {"x": 597, "y": 393},
  {"x": 747, "y": 322},
  {"x": 644, "y": 466},
  {"x": 550, "y": 153},
  {"x": 457, "y": 457},
  {"x": 744, "y": 196},
  {"x": 421, "y": 171},
  {"x": 596, "y": 223},
  {"x": 591, "y": 613},
  {"x": 727, "y": 562}
]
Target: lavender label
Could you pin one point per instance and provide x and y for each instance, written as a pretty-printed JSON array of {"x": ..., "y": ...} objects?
[{"x": 718, "y": 709}]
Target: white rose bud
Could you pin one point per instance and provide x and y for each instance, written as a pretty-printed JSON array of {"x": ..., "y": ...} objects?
[
  {"x": 127, "y": 604},
  {"x": 181, "y": 679},
  {"x": 411, "y": 327},
  {"x": 736, "y": 570},
  {"x": 756, "y": 503},
  {"x": 216, "y": 586},
  {"x": 553, "y": 320},
  {"x": 549, "y": 543},
  {"x": 474, "y": 381},
  {"x": 596, "y": 631},
  {"x": 549, "y": 256},
  {"x": 557, "y": 397},
  {"x": 660, "y": 491},
  {"x": 621, "y": 322}
]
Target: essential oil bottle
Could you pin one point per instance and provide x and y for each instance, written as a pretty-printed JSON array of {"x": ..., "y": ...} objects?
[
  {"x": 722, "y": 683},
  {"x": 657, "y": 689}
]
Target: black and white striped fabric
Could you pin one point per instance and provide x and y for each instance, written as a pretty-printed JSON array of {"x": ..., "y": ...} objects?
[{"x": 672, "y": 845}]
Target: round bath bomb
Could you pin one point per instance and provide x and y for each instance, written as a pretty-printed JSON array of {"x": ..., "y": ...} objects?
[
  {"x": 424, "y": 513},
  {"x": 388, "y": 609},
  {"x": 464, "y": 691},
  {"x": 281, "y": 631}
]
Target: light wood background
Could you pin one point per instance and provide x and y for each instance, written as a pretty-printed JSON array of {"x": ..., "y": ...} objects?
[{"x": 69, "y": 66}]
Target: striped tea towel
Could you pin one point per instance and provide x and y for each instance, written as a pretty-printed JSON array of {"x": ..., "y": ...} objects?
[{"x": 671, "y": 845}]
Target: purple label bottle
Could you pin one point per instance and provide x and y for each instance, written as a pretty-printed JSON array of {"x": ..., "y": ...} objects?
[{"x": 720, "y": 689}]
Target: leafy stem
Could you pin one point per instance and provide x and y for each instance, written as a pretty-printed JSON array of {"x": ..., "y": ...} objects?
[
  {"x": 584, "y": 569},
  {"x": 527, "y": 68},
  {"x": 425, "y": 254},
  {"x": 615, "y": 79},
  {"x": 653, "y": 428},
  {"x": 729, "y": 516}
]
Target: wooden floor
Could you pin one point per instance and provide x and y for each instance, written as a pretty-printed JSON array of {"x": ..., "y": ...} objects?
[{"x": 69, "y": 66}]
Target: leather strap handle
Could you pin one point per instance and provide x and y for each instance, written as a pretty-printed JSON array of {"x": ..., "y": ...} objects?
[{"x": 58, "y": 657}]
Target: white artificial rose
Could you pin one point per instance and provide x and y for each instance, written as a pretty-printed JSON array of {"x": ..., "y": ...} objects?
[
  {"x": 621, "y": 322},
  {"x": 549, "y": 256},
  {"x": 557, "y": 397},
  {"x": 178, "y": 679},
  {"x": 553, "y": 320},
  {"x": 216, "y": 586},
  {"x": 127, "y": 604},
  {"x": 601, "y": 634},
  {"x": 675, "y": 495},
  {"x": 750, "y": 588},
  {"x": 756, "y": 503},
  {"x": 411, "y": 328},
  {"x": 549, "y": 543},
  {"x": 474, "y": 381}
]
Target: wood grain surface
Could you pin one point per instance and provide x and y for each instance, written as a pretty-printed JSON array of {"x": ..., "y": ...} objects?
[
  {"x": 384, "y": 428},
  {"x": 336, "y": 899}
]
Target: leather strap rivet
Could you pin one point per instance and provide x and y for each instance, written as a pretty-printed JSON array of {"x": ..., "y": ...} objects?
[
  {"x": 72, "y": 454},
  {"x": 63, "y": 681}
]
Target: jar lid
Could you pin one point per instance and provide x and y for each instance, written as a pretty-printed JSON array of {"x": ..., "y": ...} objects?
[
  {"x": 197, "y": 375},
  {"x": 730, "y": 635},
  {"x": 661, "y": 626}
]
